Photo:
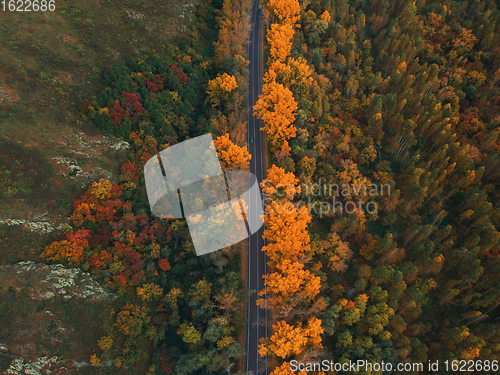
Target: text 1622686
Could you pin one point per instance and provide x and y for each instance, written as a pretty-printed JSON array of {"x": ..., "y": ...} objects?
[{"x": 28, "y": 5}]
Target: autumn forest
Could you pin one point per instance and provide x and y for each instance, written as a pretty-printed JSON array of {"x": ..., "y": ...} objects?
[{"x": 402, "y": 94}]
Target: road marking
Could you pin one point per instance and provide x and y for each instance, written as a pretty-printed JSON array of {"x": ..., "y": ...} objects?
[
  {"x": 262, "y": 173},
  {"x": 257, "y": 241},
  {"x": 252, "y": 122},
  {"x": 254, "y": 47},
  {"x": 249, "y": 237}
]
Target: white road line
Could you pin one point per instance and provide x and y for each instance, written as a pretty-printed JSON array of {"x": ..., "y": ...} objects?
[
  {"x": 249, "y": 254},
  {"x": 255, "y": 85},
  {"x": 262, "y": 173},
  {"x": 254, "y": 45},
  {"x": 250, "y": 237}
]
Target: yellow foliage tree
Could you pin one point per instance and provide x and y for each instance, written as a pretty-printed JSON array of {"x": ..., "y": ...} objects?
[
  {"x": 286, "y": 231},
  {"x": 288, "y": 242},
  {"x": 189, "y": 333},
  {"x": 325, "y": 16},
  {"x": 224, "y": 342},
  {"x": 106, "y": 342},
  {"x": 307, "y": 166},
  {"x": 221, "y": 87},
  {"x": 231, "y": 156},
  {"x": 291, "y": 279},
  {"x": 279, "y": 184},
  {"x": 276, "y": 107},
  {"x": 295, "y": 74},
  {"x": 286, "y": 11},
  {"x": 201, "y": 291},
  {"x": 289, "y": 340},
  {"x": 149, "y": 291},
  {"x": 94, "y": 360},
  {"x": 285, "y": 369},
  {"x": 355, "y": 185},
  {"x": 233, "y": 30},
  {"x": 282, "y": 152},
  {"x": 279, "y": 38},
  {"x": 101, "y": 189}
]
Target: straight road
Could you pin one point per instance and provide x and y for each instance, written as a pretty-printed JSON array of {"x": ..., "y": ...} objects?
[{"x": 257, "y": 262}]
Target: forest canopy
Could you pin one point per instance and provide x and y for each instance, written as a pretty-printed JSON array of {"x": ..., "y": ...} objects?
[{"x": 401, "y": 94}]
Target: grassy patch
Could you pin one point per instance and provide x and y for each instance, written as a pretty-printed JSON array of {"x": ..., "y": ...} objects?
[
  {"x": 5, "y": 362},
  {"x": 25, "y": 173},
  {"x": 68, "y": 328},
  {"x": 18, "y": 244}
]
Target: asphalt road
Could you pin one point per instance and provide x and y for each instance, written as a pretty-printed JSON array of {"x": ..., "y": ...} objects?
[{"x": 257, "y": 262}]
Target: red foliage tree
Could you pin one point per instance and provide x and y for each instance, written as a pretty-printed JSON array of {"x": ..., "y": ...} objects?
[
  {"x": 107, "y": 210},
  {"x": 138, "y": 277},
  {"x": 120, "y": 280},
  {"x": 125, "y": 109},
  {"x": 133, "y": 257},
  {"x": 70, "y": 249},
  {"x": 132, "y": 102},
  {"x": 118, "y": 113},
  {"x": 164, "y": 264},
  {"x": 164, "y": 360},
  {"x": 130, "y": 319},
  {"x": 158, "y": 83},
  {"x": 130, "y": 171},
  {"x": 181, "y": 76},
  {"x": 138, "y": 241}
]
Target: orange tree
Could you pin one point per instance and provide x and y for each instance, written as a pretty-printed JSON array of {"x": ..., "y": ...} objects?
[
  {"x": 279, "y": 38},
  {"x": 231, "y": 156},
  {"x": 276, "y": 107},
  {"x": 288, "y": 340},
  {"x": 291, "y": 289},
  {"x": 221, "y": 87},
  {"x": 286, "y": 11},
  {"x": 131, "y": 319}
]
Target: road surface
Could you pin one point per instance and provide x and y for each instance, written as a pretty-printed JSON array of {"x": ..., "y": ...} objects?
[{"x": 257, "y": 263}]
